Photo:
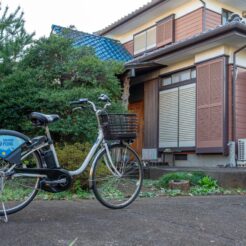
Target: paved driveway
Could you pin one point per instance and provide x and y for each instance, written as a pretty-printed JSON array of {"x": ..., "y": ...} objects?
[{"x": 159, "y": 221}]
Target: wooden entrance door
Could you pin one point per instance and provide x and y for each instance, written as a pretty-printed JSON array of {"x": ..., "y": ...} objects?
[{"x": 138, "y": 108}]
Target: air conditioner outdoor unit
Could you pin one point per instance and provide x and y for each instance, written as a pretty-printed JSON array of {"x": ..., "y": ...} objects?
[{"x": 241, "y": 152}]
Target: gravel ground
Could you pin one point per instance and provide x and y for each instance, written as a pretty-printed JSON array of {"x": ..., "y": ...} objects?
[{"x": 178, "y": 221}]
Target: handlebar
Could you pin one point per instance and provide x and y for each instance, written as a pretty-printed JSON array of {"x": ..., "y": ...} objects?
[
  {"x": 79, "y": 102},
  {"x": 82, "y": 101}
]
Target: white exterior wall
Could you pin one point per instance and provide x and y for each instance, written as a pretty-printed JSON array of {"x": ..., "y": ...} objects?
[
  {"x": 177, "y": 66},
  {"x": 180, "y": 11}
]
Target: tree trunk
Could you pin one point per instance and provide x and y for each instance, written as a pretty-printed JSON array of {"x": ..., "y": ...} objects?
[{"x": 126, "y": 91}]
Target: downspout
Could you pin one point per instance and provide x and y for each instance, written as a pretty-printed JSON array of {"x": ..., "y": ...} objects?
[
  {"x": 204, "y": 16},
  {"x": 234, "y": 89}
]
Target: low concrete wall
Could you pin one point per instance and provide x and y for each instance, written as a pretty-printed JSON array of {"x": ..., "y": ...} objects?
[
  {"x": 194, "y": 160},
  {"x": 227, "y": 177}
]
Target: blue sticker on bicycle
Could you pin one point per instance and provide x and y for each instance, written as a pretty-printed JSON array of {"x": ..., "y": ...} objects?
[{"x": 8, "y": 144}]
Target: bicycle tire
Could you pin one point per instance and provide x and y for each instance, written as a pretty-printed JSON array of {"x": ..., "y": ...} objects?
[
  {"x": 133, "y": 172},
  {"x": 21, "y": 205}
]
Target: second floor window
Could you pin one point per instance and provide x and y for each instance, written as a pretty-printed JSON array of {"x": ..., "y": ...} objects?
[
  {"x": 226, "y": 14},
  {"x": 145, "y": 40}
]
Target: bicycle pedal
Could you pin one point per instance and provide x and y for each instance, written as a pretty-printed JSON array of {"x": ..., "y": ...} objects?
[{"x": 54, "y": 186}]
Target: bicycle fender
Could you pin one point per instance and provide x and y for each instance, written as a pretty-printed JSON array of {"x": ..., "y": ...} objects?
[{"x": 11, "y": 143}]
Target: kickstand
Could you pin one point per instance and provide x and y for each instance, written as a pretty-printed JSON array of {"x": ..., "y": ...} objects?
[{"x": 4, "y": 218}]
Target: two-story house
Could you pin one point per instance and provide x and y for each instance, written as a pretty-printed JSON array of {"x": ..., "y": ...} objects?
[{"x": 187, "y": 79}]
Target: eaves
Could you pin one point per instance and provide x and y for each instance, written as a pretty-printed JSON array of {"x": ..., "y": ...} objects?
[{"x": 237, "y": 28}]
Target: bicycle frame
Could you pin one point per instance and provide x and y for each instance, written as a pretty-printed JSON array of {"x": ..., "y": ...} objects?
[
  {"x": 99, "y": 141},
  {"x": 52, "y": 178}
]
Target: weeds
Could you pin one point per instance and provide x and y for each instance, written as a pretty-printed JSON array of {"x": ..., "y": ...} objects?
[
  {"x": 201, "y": 185},
  {"x": 193, "y": 177}
]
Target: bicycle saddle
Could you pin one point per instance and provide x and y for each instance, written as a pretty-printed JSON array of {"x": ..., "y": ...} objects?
[{"x": 43, "y": 119}]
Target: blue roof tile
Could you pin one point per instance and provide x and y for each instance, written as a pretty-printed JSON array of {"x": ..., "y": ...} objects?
[{"x": 105, "y": 48}]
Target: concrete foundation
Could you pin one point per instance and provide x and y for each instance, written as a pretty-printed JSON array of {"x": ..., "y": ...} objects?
[
  {"x": 227, "y": 177},
  {"x": 194, "y": 160}
]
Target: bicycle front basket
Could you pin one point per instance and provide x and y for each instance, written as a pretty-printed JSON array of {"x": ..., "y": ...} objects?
[{"x": 119, "y": 126}]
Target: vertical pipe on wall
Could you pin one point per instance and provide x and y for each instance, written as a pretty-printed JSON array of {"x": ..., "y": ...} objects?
[{"x": 204, "y": 16}]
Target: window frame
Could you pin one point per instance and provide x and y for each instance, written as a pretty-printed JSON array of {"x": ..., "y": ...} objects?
[
  {"x": 177, "y": 84},
  {"x": 146, "y": 38},
  {"x": 168, "y": 87}
]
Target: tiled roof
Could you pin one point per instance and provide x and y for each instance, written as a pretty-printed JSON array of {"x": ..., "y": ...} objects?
[{"x": 105, "y": 48}]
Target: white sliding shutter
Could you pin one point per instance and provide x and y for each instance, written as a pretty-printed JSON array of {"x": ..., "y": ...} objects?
[
  {"x": 187, "y": 115},
  {"x": 151, "y": 38},
  {"x": 168, "y": 121},
  {"x": 140, "y": 43}
]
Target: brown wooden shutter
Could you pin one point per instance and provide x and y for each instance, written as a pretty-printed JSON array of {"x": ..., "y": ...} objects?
[
  {"x": 210, "y": 106},
  {"x": 241, "y": 103},
  {"x": 165, "y": 31}
]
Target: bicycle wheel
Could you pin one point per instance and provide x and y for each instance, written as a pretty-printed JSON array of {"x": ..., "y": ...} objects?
[
  {"x": 18, "y": 192},
  {"x": 117, "y": 183}
]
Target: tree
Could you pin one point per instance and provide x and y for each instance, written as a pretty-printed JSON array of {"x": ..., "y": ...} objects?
[
  {"x": 13, "y": 39},
  {"x": 51, "y": 74}
]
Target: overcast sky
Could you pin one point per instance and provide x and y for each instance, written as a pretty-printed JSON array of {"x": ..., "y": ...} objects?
[{"x": 86, "y": 15}]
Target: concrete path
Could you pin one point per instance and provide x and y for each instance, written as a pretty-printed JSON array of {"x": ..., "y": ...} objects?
[{"x": 159, "y": 221}]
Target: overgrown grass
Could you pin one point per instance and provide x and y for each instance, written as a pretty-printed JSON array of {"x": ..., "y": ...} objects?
[
  {"x": 19, "y": 194},
  {"x": 66, "y": 195},
  {"x": 201, "y": 185},
  {"x": 193, "y": 177}
]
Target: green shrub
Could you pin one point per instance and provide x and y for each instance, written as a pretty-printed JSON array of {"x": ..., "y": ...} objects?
[
  {"x": 51, "y": 74},
  {"x": 193, "y": 177},
  {"x": 71, "y": 156},
  {"x": 208, "y": 182}
]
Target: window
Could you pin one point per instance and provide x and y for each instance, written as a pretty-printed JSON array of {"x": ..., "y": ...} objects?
[
  {"x": 193, "y": 73},
  {"x": 140, "y": 43},
  {"x": 177, "y": 117},
  {"x": 177, "y": 110},
  {"x": 226, "y": 14},
  {"x": 145, "y": 40},
  {"x": 167, "y": 81},
  {"x": 185, "y": 75},
  {"x": 151, "y": 38}
]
